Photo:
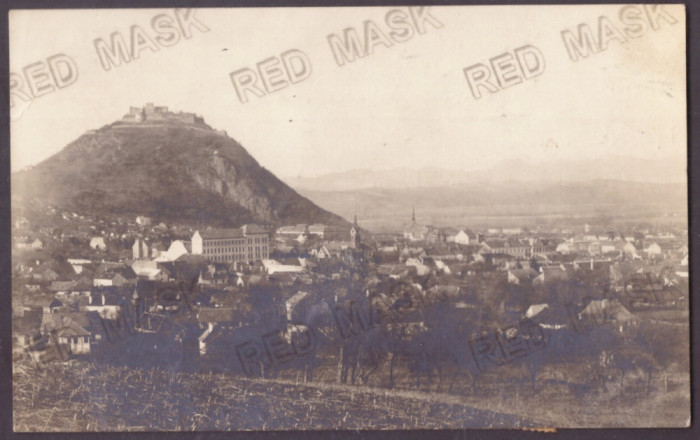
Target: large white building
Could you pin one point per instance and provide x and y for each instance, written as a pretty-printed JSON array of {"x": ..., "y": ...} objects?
[{"x": 245, "y": 244}]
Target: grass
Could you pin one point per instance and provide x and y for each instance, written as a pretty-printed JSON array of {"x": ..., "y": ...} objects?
[{"x": 81, "y": 395}]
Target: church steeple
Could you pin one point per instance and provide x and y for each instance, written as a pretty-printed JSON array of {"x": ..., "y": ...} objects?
[
  {"x": 413, "y": 217},
  {"x": 355, "y": 233}
]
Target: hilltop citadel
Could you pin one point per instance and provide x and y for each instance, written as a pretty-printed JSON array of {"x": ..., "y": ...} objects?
[{"x": 151, "y": 113}]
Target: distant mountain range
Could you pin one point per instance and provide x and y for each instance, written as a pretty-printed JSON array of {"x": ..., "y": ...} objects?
[
  {"x": 177, "y": 168},
  {"x": 507, "y": 203},
  {"x": 167, "y": 167},
  {"x": 618, "y": 168}
]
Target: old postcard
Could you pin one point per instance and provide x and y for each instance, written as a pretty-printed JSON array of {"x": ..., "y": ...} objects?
[{"x": 349, "y": 218}]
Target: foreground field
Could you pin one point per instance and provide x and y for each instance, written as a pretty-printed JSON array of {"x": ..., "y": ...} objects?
[
  {"x": 78, "y": 396},
  {"x": 84, "y": 396}
]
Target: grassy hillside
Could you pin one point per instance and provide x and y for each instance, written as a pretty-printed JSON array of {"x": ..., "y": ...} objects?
[
  {"x": 80, "y": 396},
  {"x": 169, "y": 172},
  {"x": 84, "y": 395}
]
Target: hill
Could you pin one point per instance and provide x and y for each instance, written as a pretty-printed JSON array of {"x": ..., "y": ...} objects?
[{"x": 172, "y": 170}]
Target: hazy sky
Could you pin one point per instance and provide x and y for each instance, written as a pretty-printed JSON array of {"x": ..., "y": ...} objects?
[{"x": 406, "y": 105}]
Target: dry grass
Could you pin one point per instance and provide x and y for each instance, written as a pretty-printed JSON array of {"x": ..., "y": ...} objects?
[
  {"x": 81, "y": 396},
  {"x": 559, "y": 404}
]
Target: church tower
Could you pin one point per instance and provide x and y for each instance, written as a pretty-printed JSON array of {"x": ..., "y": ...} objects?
[{"x": 355, "y": 234}]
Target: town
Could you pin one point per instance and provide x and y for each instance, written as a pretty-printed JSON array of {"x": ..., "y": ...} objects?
[{"x": 88, "y": 285}]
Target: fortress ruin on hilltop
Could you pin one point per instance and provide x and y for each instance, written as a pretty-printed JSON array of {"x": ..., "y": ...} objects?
[{"x": 151, "y": 113}]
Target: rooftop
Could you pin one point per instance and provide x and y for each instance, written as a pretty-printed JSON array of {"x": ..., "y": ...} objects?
[{"x": 226, "y": 233}]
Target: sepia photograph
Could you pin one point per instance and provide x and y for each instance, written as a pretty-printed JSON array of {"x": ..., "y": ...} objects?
[{"x": 349, "y": 218}]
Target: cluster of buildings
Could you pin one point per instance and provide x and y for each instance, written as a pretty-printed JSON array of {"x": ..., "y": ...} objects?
[{"x": 65, "y": 299}]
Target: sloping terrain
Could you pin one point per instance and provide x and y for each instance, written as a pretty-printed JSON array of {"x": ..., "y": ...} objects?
[
  {"x": 172, "y": 172},
  {"x": 78, "y": 396}
]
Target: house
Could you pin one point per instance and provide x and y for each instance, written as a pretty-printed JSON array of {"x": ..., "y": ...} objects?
[
  {"x": 594, "y": 249},
  {"x": 272, "y": 266},
  {"x": 434, "y": 236},
  {"x": 284, "y": 279},
  {"x": 177, "y": 249},
  {"x": 653, "y": 250},
  {"x": 627, "y": 248},
  {"x": 36, "y": 244},
  {"x": 76, "y": 330},
  {"x": 158, "y": 249},
  {"x": 63, "y": 286},
  {"x": 294, "y": 231},
  {"x": 412, "y": 252},
  {"x": 440, "y": 266},
  {"x": 514, "y": 247},
  {"x": 317, "y": 229},
  {"x": 220, "y": 326},
  {"x": 143, "y": 221},
  {"x": 606, "y": 248},
  {"x": 498, "y": 259},
  {"x": 421, "y": 269},
  {"x": 98, "y": 243},
  {"x": 416, "y": 232},
  {"x": 107, "y": 304},
  {"x": 75, "y": 337},
  {"x": 544, "y": 246},
  {"x": 21, "y": 242},
  {"x": 399, "y": 272},
  {"x": 46, "y": 274},
  {"x": 599, "y": 266},
  {"x": 320, "y": 252},
  {"x": 114, "y": 275},
  {"x": 388, "y": 248},
  {"x": 109, "y": 279},
  {"x": 545, "y": 316},
  {"x": 549, "y": 274},
  {"x": 600, "y": 312},
  {"x": 79, "y": 264},
  {"x": 337, "y": 240},
  {"x": 150, "y": 270},
  {"x": 521, "y": 276},
  {"x": 54, "y": 306},
  {"x": 216, "y": 274},
  {"x": 465, "y": 236},
  {"x": 565, "y": 247}
]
